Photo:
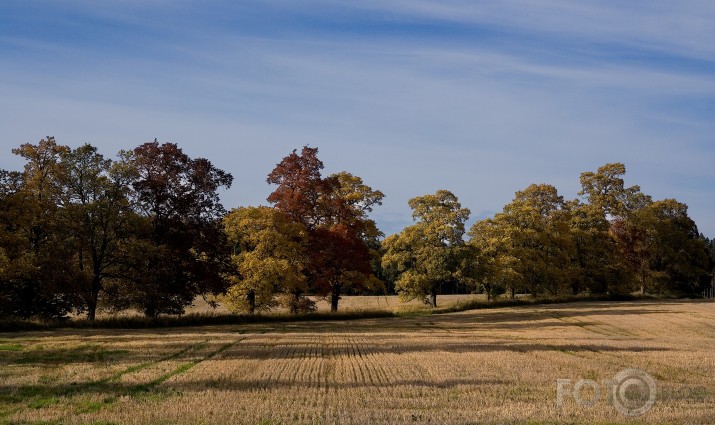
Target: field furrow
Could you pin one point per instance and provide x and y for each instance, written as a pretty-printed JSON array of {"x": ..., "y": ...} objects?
[{"x": 491, "y": 366}]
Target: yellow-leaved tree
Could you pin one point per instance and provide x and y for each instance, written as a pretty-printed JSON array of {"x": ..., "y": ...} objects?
[
  {"x": 491, "y": 261},
  {"x": 268, "y": 256}
]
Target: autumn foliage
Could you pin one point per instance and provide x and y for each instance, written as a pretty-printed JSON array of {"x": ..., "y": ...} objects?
[{"x": 80, "y": 233}]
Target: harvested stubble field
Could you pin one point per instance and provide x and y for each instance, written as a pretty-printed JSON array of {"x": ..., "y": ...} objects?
[{"x": 484, "y": 366}]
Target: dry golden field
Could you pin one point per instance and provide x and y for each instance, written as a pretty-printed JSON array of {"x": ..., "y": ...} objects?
[{"x": 484, "y": 366}]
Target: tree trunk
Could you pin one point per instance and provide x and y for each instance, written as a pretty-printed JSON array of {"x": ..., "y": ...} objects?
[
  {"x": 93, "y": 298},
  {"x": 513, "y": 292},
  {"x": 294, "y": 302},
  {"x": 488, "y": 291},
  {"x": 334, "y": 298},
  {"x": 432, "y": 298},
  {"x": 91, "y": 310},
  {"x": 151, "y": 309},
  {"x": 251, "y": 302}
]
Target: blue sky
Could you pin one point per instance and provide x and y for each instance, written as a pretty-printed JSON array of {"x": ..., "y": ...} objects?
[{"x": 480, "y": 98}]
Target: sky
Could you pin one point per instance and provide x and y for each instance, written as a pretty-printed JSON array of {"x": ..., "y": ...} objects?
[{"x": 481, "y": 98}]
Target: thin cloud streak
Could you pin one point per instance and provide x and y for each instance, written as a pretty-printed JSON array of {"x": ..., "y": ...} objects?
[
  {"x": 676, "y": 27},
  {"x": 409, "y": 111}
]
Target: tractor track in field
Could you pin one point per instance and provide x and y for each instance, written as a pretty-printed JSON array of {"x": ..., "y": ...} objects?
[{"x": 112, "y": 386}]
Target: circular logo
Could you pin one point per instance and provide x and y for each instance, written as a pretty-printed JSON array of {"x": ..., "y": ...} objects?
[{"x": 634, "y": 392}]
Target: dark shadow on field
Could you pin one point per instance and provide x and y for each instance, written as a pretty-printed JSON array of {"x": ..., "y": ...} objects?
[
  {"x": 256, "y": 351},
  {"x": 516, "y": 318},
  {"x": 27, "y": 393},
  {"x": 507, "y": 318},
  {"x": 239, "y": 384},
  {"x": 14, "y": 393},
  {"x": 94, "y": 353}
]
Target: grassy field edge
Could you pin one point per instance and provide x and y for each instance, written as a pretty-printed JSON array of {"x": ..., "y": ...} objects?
[{"x": 204, "y": 319}]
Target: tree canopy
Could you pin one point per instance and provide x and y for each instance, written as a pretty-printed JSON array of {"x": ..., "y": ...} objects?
[
  {"x": 80, "y": 232},
  {"x": 426, "y": 253},
  {"x": 267, "y": 258},
  {"x": 333, "y": 211}
]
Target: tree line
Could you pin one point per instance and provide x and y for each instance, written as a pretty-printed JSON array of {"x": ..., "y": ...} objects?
[{"x": 80, "y": 233}]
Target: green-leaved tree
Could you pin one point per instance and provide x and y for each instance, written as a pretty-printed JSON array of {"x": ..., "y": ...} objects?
[{"x": 427, "y": 253}]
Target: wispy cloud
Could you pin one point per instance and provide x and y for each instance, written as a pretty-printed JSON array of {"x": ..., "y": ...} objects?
[{"x": 480, "y": 98}]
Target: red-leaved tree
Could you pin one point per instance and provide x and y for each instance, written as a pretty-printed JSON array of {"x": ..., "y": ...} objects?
[{"x": 334, "y": 210}]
